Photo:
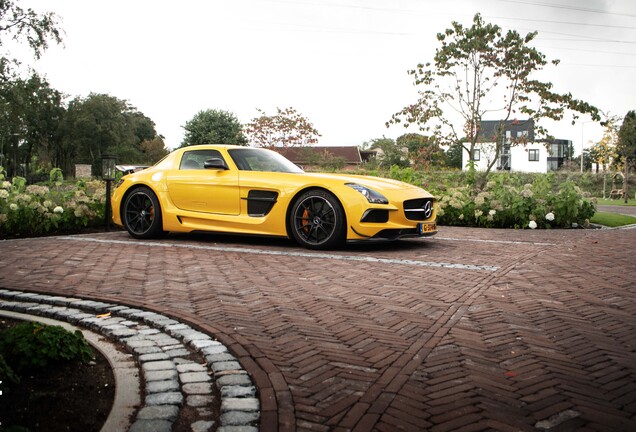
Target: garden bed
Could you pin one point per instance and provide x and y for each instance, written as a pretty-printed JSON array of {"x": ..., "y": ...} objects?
[{"x": 70, "y": 397}]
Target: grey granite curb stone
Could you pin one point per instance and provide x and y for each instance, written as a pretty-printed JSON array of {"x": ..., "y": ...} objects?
[{"x": 159, "y": 344}]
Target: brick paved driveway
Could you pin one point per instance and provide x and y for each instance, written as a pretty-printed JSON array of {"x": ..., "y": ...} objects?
[{"x": 470, "y": 330}]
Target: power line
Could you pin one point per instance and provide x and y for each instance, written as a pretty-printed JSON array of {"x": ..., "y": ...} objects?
[
  {"x": 584, "y": 50},
  {"x": 586, "y": 38},
  {"x": 417, "y": 12},
  {"x": 560, "y": 6},
  {"x": 598, "y": 65},
  {"x": 564, "y": 22}
]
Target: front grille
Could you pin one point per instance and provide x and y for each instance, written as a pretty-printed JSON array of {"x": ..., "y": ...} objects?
[{"x": 419, "y": 209}]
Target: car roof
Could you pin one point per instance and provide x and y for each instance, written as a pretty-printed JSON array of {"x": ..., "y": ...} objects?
[{"x": 226, "y": 146}]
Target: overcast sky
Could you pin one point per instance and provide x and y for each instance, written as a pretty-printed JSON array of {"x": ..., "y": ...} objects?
[{"x": 341, "y": 63}]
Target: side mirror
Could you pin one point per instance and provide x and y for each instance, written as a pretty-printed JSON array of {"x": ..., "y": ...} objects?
[{"x": 215, "y": 163}]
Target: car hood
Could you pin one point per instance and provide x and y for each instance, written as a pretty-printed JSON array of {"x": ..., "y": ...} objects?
[{"x": 378, "y": 184}]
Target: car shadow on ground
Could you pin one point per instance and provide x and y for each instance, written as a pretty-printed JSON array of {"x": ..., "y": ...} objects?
[{"x": 365, "y": 246}]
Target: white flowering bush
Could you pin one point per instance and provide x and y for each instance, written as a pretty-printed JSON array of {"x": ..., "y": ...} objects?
[
  {"x": 507, "y": 203},
  {"x": 33, "y": 210}
]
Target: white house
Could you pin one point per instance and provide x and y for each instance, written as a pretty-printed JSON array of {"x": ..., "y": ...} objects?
[{"x": 520, "y": 152}]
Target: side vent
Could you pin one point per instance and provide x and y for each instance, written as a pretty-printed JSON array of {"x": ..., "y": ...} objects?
[
  {"x": 375, "y": 216},
  {"x": 260, "y": 202}
]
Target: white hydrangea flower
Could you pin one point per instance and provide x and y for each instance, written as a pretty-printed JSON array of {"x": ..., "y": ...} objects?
[
  {"x": 550, "y": 216},
  {"x": 13, "y": 206},
  {"x": 526, "y": 193},
  {"x": 492, "y": 212},
  {"x": 4, "y": 194},
  {"x": 58, "y": 210},
  {"x": 532, "y": 225},
  {"x": 37, "y": 190}
]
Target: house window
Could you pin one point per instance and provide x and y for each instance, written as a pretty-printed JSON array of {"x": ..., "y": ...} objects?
[
  {"x": 533, "y": 155},
  {"x": 476, "y": 154}
]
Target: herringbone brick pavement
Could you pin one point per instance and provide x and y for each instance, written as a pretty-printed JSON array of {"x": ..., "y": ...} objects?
[{"x": 471, "y": 330}]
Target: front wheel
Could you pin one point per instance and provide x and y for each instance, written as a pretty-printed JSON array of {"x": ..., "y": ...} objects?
[
  {"x": 317, "y": 220},
  {"x": 141, "y": 214}
]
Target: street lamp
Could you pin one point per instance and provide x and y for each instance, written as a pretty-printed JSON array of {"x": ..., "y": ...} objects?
[
  {"x": 582, "y": 141},
  {"x": 108, "y": 174}
]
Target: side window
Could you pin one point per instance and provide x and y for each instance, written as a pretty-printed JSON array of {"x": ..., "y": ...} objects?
[
  {"x": 533, "y": 155},
  {"x": 194, "y": 159}
]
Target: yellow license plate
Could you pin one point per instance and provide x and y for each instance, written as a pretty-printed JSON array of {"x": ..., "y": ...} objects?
[{"x": 426, "y": 227}]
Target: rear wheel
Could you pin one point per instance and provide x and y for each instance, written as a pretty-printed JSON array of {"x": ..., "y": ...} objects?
[
  {"x": 141, "y": 214},
  {"x": 317, "y": 220}
]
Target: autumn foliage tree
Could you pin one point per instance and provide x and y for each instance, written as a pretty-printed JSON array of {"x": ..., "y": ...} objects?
[
  {"x": 478, "y": 71},
  {"x": 286, "y": 128},
  {"x": 424, "y": 151},
  {"x": 603, "y": 153},
  {"x": 153, "y": 150}
]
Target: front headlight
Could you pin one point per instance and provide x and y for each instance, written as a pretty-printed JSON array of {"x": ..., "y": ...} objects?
[{"x": 371, "y": 195}]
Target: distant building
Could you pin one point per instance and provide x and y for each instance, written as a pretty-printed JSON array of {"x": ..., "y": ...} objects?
[
  {"x": 317, "y": 155},
  {"x": 519, "y": 151},
  {"x": 560, "y": 152}
]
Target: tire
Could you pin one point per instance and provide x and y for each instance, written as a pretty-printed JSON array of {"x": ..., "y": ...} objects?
[
  {"x": 141, "y": 214},
  {"x": 317, "y": 220}
]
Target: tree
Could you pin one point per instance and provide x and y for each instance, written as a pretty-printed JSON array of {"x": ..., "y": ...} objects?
[
  {"x": 587, "y": 161},
  {"x": 627, "y": 147},
  {"x": 37, "y": 30},
  {"x": 153, "y": 150},
  {"x": 603, "y": 153},
  {"x": 389, "y": 153},
  {"x": 424, "y": 151},
  {"x": 213, "y": 127},
  {"x": 100, "y": 124},
  {"x": 454, "y": 155},
  {"x": 477, "y": 65},
  {"x": 287, "y": 128},
  {"x": 30, "y": 113}
]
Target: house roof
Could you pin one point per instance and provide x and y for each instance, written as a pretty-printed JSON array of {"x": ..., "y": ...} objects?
[
  {"x": 309, "y": 154},
  {"x": 488, "y": 128}
]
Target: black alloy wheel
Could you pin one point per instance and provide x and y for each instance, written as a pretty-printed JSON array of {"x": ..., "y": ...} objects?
[
  {"x": 317, "y": 220},
  {"x": 141, "y": 214}
]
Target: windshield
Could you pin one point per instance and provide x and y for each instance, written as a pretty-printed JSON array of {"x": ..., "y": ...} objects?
[{"x": 252, "y": 159}]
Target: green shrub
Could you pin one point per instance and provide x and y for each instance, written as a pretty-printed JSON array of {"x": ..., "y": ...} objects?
[
  {"x": 506, "y": 203},
  {"x": 41, "y": 209},
  {"x": 508, "y": 200},
  {"x": 32, "y": 345},
  {"x": 7, "y": 376}
]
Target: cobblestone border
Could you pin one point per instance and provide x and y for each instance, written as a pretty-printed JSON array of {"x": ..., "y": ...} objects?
[{"x": 159, "y": 344}]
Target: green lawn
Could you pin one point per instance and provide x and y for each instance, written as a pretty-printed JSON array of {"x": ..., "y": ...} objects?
[
  {"x": 617, "y": 202},
  {"x": 612, "y": 219}
]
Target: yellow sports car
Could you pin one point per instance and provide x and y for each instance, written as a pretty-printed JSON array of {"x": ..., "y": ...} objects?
[{"x": 246, "y": 190}]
